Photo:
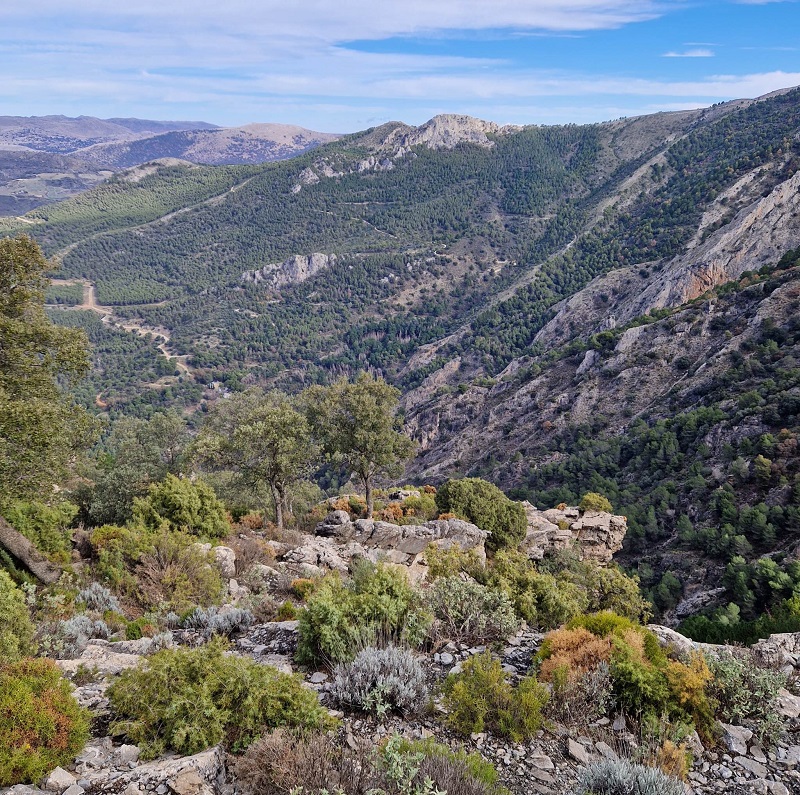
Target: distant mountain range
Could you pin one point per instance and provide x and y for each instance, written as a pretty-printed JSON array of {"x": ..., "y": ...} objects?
[{"x": 50, "y": 158}]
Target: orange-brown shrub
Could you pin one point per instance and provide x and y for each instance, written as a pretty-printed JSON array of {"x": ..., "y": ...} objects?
[
  {"x": 252, "y": 521},
  {"x": 574, "y": 650},
  {"x": 392, "y": 512},
  {"x": 673, "y": 759}
]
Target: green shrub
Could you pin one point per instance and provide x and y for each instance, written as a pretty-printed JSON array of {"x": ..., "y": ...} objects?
[
  {"x": 182, "y": 505},
  {"x": 745, "y": 693},
  {"x": 483, "y": 504},
  {"x": 343, "y": 617},
  {"x": 190, "y": 699},
  {"x": 604, "y": 623},
  {"x": 621, "y": 777},
  {"x": 449, "y": 561},
  {"x": 177, "y": 574},
  {"x": 42, "y": 725},
  {"x": 46, "y": 526},
  {"x": 16, "y": 628},
  {"x": 471, "y": 613},
  {"x": 592, "y": 501},
  {"x": 480, "y": 698},
  {"x": 473, "y": 774},
  {"x": 541, "y": 598},
  {"x": 645, "y": 682},
  {"x": 116, "y": 550}
]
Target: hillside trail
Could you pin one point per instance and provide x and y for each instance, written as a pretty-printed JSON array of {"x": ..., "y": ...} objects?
[{"x": 89, "y": 304}]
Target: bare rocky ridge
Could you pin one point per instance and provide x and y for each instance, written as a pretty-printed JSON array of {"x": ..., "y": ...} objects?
[
  {"x": 293, "y": 270},
  {"x": 446, "y": 131}
]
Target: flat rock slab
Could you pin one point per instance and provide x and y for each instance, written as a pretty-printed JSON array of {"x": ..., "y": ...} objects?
[{"x": 106, "y": 661}]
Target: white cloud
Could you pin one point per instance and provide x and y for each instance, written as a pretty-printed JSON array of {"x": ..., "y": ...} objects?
[
  {"x": 696, "y": 53},
  {"x": 271, "y": 60}
]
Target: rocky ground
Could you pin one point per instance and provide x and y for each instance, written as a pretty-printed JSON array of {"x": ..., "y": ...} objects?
[{"x": 550, "y": 763}]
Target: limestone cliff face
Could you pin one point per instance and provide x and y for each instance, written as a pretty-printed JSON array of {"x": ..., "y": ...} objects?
[
  {"x": 446, "y": 131},
  {"x": 758, "y": 234},
  {"x": 596, "y": 535},
  {"x": 295, "y": 269}
]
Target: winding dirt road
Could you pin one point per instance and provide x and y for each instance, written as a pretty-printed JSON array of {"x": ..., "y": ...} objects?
[{"x": 90, "y": 304}]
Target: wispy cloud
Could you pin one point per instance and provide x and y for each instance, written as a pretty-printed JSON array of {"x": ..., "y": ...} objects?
[
  {"x": 274, "y": 60},
  {"x": 696, "y": 53}
]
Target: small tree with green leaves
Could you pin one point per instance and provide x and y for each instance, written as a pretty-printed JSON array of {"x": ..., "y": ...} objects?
[
  {"x": 41, "y": 429},
  {"x": 357, "y": 426},
  {"x": 264, "y": 440},
  {"x": 483, "y": 504}
]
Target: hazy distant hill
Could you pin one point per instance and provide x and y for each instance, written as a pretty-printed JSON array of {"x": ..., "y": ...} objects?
[
  {"x": 44, "y": 159},
  {"x": 253, "y": 143},
  {"x": 63, "y": 134}
]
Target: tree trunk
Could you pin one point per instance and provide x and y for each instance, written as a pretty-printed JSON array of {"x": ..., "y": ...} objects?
[
  {"x": 368, "y": 494},
  {"x": 277, "y": 498},
  {"x": 26, "y": 553}
]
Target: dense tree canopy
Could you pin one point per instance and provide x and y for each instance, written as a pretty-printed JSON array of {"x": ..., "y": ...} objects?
[
  {"x": 263, "y": 439},
  {"x": 358, "y": 426},
  {"x": 40, "y": 428}
]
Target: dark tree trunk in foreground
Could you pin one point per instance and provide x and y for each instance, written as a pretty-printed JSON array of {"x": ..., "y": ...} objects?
[{"x": 26, "y": 553}]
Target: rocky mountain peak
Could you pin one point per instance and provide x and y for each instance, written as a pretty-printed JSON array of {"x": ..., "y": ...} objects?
[{"x": 446, "y": 131}]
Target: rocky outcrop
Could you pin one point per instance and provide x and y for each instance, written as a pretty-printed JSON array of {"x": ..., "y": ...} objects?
[
  {"x": 447, "y": 131},
  {"x": 294, "y": 270},
  {"x": 779, "y": 651},
  {"x": 402, "y": 543},
  {"x": 595, "y": 535},
  {"x": 104, "y": 768}
]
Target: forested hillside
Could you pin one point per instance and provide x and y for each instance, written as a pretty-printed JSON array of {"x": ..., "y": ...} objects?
[
  {"x": 502, "y": 277},
  {"x": 425, "y": 237}
]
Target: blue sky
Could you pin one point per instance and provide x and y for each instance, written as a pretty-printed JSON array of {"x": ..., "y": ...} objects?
[{"x": 350, "y": 64}]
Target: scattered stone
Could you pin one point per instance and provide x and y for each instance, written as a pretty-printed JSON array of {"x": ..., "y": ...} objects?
[
  {"x": 127, "y": 754},
  {"x": 604, "y": 749},
  {"x": 735, "y": 738},
  {"x": 788, "y": 704},
  {"x": 577, "y": 751},
  {"x": 752, "y": 766},
  {"x": 59, "y": 780}
]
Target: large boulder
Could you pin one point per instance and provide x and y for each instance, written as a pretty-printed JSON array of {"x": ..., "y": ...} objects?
[
  {"x": 596, "y": 535},
  {"x": 781, "y": 650}
]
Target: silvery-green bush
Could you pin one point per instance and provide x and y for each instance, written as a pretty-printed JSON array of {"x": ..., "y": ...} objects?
[
  {"x": 621, "y": 777},
  {"x": 469, "y": 612},
  {"x": 380, "y": 680},
  {"x": 97, "y": 597},
  {"x": 69, "y": 638},
  {"x": 213, "y": 621}
]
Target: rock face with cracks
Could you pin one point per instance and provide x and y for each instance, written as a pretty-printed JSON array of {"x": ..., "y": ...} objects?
[{"x": 596, "y": 535}]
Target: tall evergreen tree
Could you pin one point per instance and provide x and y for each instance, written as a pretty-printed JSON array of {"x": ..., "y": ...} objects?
[{"x": 41, "y": 429}]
